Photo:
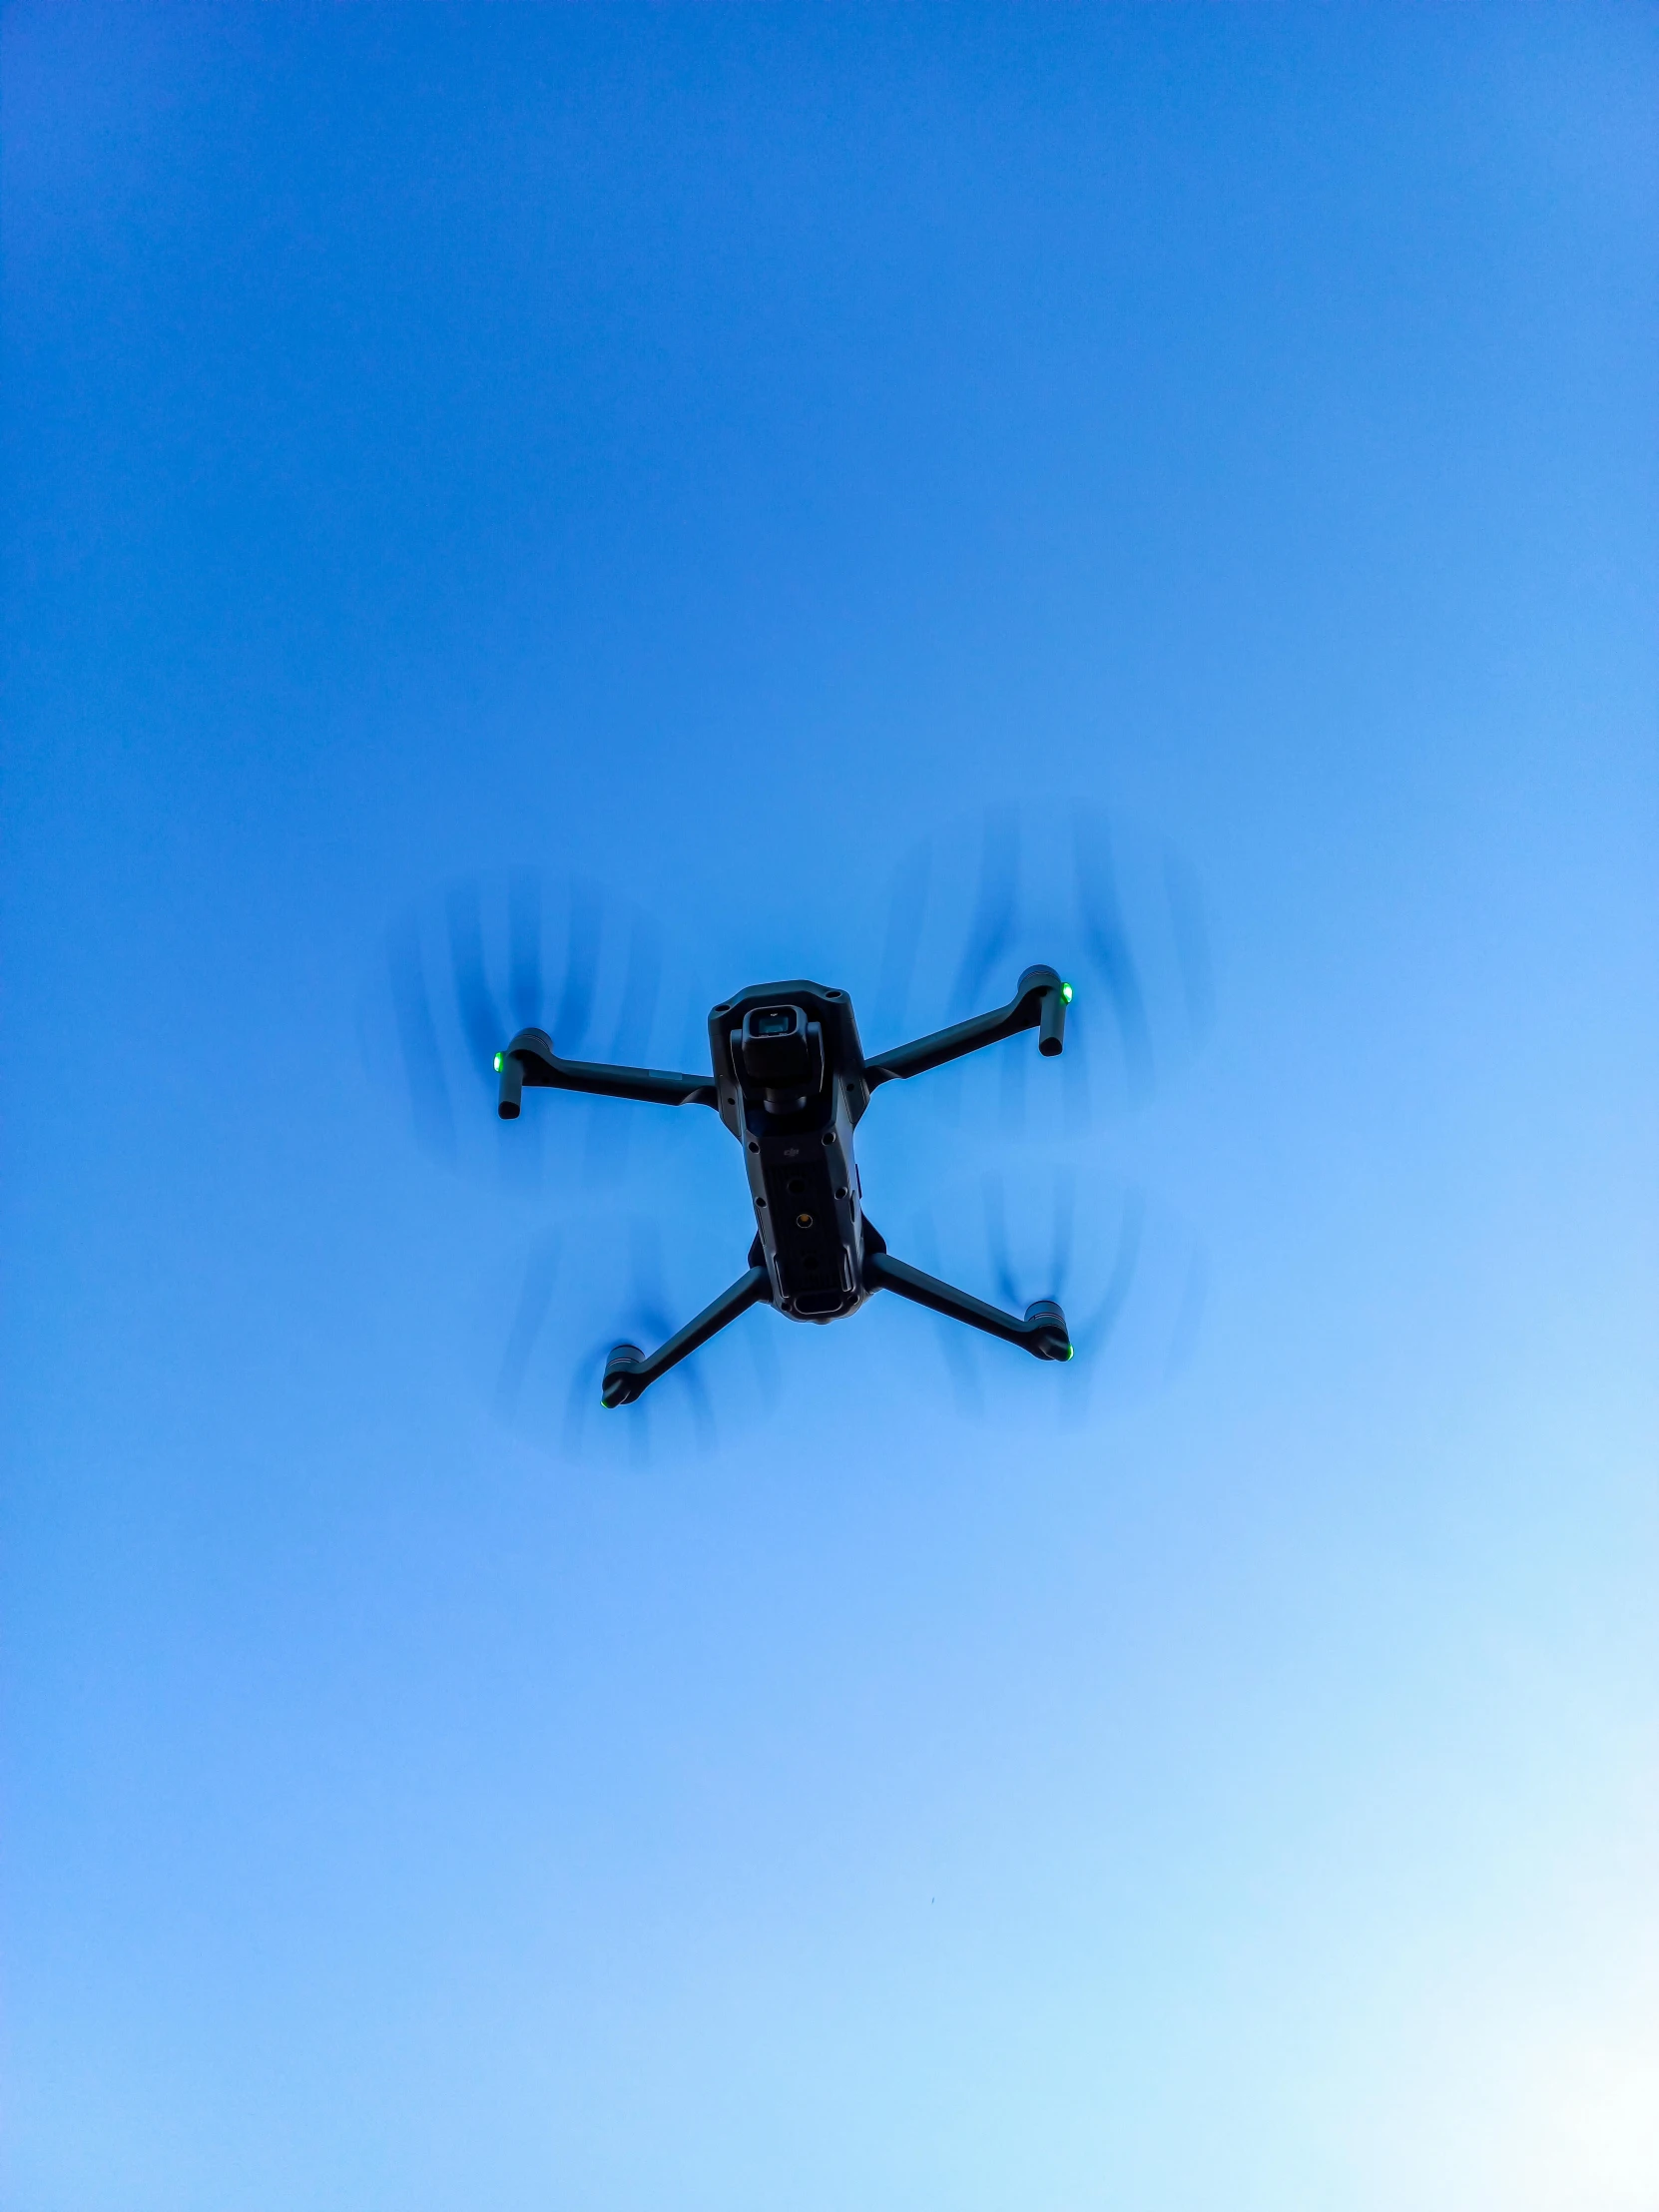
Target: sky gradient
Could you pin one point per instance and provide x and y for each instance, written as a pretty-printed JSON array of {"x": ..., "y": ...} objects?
[{"x": 710, "y": 456}]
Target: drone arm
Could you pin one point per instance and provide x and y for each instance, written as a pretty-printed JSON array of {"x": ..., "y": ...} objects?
[
  {"x": 1041, "y": 1332},
  {"x": 530, "y": 1058},
  {"x": 629, "y": 1371},
  {"x": 1039, "y": 1003}
]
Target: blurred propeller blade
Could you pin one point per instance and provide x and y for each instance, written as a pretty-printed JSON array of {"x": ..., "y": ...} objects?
[
  {"x": 610, "y": 1136},
  {"x": 417, "y": 1038},
  {"x": 1014, "y": 1290},
  {"x": 482, "y": 1024},
  {"x": 637, "y": 1011},
  {"x": 524, "y": 991},
  {"x": 994, "y": 914},
  {"x": 1097, "y": 1327},
  {"x": 906, "y": 912},
  {"x": 650, "y": 1310},
  {"x": 1108, "y": 941},
  {"x": 582, "y": 951},
  {"x": 540, "y": 1277},
  {"x": 643, "y": 1317},
  {"x": 997, "y": 1237},
  {"x": 1065, "y": 1222},
  {"x": 950, "y": 1336}
]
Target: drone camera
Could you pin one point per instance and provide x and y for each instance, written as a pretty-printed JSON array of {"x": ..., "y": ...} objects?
[{"x": 780, "y": 1048}]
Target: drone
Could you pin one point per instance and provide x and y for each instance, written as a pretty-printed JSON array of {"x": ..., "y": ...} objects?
[{"x": 791, "y": 1082}]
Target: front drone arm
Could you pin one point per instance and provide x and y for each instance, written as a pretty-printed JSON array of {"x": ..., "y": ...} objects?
[
  {"x": 1039, "y": 1003},
  {"x": 530, "y": 1058}
]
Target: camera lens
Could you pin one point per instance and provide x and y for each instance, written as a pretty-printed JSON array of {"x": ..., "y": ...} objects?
[{"x": 772, "y": 1021}]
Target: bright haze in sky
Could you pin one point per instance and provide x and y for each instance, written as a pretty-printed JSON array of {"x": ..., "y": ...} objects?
[{"x": 650, "y": 501}]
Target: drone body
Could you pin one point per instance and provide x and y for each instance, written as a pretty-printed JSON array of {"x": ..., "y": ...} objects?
[{"x": 791, "y": 1082}]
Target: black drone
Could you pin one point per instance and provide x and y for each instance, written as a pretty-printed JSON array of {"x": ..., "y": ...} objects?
[{"x": 792, "y": 1082}]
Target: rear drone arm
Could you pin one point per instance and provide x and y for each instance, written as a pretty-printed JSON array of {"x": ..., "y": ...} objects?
[
  {"x": 530, "y": 1058},
  {"x": 1039, "y": 1003},
  {"x": 1041, "y": 1330},
  {"x": 629, "y": 1371}
]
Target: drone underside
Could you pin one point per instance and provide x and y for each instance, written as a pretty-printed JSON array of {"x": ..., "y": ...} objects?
[{"x": 791, "y": 1081}]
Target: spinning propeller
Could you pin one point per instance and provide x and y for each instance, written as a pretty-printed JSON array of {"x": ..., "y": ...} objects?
[
  {"x": 1118, "y": 912},
  {"x": 1127, "y": 1269},
  {"x": 545, "y": 1383},
  {"x": 464, "y": 972}
]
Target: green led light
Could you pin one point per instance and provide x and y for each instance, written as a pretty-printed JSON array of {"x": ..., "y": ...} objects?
[
  {"x": 1071, "y": 1352},
  {"x": 498, "y": 1063},
  {"x": 1066, "y": 993}
]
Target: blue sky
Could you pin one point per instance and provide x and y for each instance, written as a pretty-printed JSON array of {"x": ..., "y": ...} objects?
[{"x": 711, "y": 456}]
